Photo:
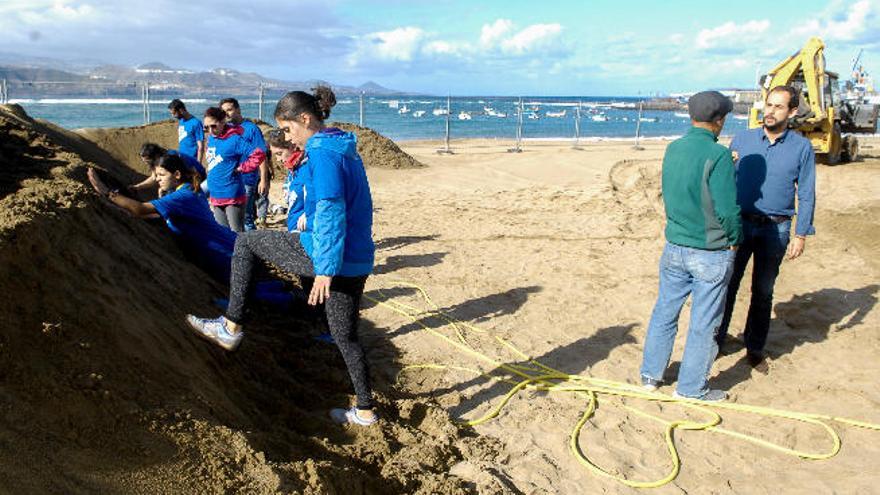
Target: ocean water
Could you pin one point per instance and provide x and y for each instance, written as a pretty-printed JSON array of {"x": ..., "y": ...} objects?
[{"x": 410, "y": 118}]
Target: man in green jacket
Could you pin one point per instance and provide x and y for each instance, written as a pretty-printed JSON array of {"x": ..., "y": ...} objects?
[{"x": 703, "y": 229}]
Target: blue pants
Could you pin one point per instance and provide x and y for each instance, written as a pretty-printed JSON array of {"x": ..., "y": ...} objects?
[
  {"x": 256, "y": 206},
  {"x": 685, "y": 271},
  {"x": 767, "y": 243}
]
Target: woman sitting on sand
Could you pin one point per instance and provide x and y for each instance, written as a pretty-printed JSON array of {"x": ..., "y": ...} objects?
[
  {"x": 335, "y": 247},
  {"x": 290, "y": 156},
  {"x": 228, "y": 156}
]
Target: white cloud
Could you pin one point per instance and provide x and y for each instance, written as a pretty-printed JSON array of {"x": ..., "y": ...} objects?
[
  {"x": 491, "y": 34},
  {"x": 530, "y": 38},
  {"x": 848, "y": 28},
  {"x": 730, "y": 33}
]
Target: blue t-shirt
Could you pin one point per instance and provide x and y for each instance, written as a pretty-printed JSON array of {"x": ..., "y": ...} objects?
[
  {"x": 189, "y": 134},
  {"x": 223, "y": 157},
  {"x": 338, "y": 206},
  {"x": 294, "y": 196},
  {"x": 191, "y": 163},
  {"x": 188, "y": 216},
  {"x": 254, "y": 136}
]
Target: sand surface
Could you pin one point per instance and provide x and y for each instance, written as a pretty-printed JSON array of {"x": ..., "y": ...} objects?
[
  {"x": 556, "y": 250},
  {"x": 103, "y": 389}
]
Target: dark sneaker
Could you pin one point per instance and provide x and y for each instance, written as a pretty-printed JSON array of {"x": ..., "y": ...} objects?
[
  {"x": 711, "y": 396},
  {"x": 350, "y": 416},
  {"x": 650, "y": 384},
  {"x": 214, "y": 330}
]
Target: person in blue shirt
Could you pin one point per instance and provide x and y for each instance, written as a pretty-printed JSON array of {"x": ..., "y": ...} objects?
[
  {"x": 190, "y": 134},
  {"x": 773, "y": 165},
  {"x": 290, "y": 157},
  {"x": 256, "y": 183},
  {"x": 150, "y": 154},
  {"x": 229, "y": 155},
  {"x": 186, "y": 213},
  {"x": 335, "y": 250}
]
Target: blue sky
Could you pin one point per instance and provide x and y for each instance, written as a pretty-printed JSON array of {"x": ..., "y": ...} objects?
[{"x": 600, "y": 47}]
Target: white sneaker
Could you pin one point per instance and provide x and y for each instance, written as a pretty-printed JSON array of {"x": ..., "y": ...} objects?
[
  {"x": 214, "y": 330},
  {"x": 350, "y": 416}
]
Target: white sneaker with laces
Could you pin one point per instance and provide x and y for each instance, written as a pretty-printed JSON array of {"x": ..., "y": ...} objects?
[{"x": 214, "y": 330}]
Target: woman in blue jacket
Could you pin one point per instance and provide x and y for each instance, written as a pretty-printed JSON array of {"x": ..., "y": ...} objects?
[{"x": 335, "y": 247}]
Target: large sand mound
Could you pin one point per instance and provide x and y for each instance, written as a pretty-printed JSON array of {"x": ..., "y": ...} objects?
[
  {"x": 124, "y": 143},
  {"x": 104, "y": 390}
]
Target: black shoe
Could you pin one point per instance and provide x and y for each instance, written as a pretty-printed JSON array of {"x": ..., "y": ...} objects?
[{"x": 758, "y": 361}]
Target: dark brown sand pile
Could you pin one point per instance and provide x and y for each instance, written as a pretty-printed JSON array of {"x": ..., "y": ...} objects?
[
  {"x": 124, "y": 143},
  {"x": 104, "y": 390}
]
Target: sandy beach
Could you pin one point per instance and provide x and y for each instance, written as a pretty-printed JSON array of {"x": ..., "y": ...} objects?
[
  {"x": 556, "y": 250},
  {"x": 553, "y": 249}
]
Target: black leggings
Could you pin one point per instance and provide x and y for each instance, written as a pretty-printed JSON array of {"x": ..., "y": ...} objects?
[{"x": 284, "y": 250}]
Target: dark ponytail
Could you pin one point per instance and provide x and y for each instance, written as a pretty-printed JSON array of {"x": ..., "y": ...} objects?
[
  {"x": 296, "y": 103},
  {"x": 174, "y": 163}
]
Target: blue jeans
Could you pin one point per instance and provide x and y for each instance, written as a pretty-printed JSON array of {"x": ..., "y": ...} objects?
[
  {"x": 250, "y": 206},
  {"x": 685, "y": 271},
  {"x": 768, "y": 244}
]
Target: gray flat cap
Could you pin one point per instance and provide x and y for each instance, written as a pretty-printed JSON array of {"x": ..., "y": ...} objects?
[{"x": 709, "y": 106}]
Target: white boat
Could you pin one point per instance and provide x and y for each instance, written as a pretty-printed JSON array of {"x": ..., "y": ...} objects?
[
  {"x": 418, "y": 113},
  {"x": 620, "y": 104},
  {"x": 556, "y": 115},
  {"x": 531, "y": 115},
  {"x": 491, "y": 112},
  {"x": 649, "y": 119},
  {"x": 464, "y": 116},
  {"x": 403, "y": 110},
  {"x": 440, "y": 111},
  {"x": 599, "y": 118},
  {"x": 682, "y": 115}
]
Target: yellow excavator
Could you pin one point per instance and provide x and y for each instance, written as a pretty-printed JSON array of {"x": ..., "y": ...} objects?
[{"x": 824, "y": 117}]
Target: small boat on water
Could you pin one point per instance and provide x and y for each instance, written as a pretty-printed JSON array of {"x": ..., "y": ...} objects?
[
  {"x": 599, "y": 118},
  {"x": 556, "y": 115},
  {"x": 464, "y": 116},
  {"x": 403, "y": 110},
  {"x": 682, "y": 115},
  {"x": 649, "y": 119},
  {"x": 531, "y": 115},
  {"x": 440, "y": 111},
  {"x": 491, "y": 112},
  {"x": 418, "y": 113}
]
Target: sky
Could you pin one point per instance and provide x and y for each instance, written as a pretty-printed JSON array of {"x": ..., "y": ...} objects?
[{"x": 494, "y": 47}]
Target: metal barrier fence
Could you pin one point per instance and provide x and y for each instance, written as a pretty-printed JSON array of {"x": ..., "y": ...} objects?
[{"x": 144, "y": 92}]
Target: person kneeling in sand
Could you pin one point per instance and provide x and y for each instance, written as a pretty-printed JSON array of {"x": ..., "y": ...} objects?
[
  {"x": 335, "y": 248},
  {"x": 703, "y": 229},
  {"x": 186, "y": 213},
  {"x": 150, "y": 154}
]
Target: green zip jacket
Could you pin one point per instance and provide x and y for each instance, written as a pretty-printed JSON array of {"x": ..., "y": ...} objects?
[{"x": 699, "y": 192}]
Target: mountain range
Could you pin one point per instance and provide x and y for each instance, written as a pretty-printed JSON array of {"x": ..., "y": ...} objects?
[{"x": 42, "y": 77}]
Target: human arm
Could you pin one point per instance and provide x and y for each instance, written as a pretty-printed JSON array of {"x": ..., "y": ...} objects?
[
  {"x": 265, "y": 179},
  {"x": 136, "y": 208},
  {"x": 722, "y": 190},
  {"x": 252, "y": 156},
  {"x": 148, "y": 183}
]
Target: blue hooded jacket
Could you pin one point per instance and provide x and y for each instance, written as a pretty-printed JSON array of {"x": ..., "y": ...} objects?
[{"x": 338, "y": 206}]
